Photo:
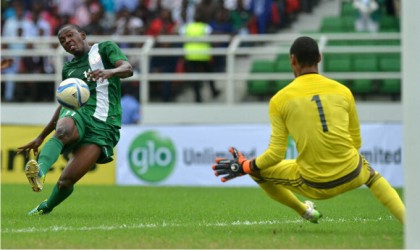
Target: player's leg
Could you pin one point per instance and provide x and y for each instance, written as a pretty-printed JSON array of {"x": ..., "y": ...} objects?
[
  {"x": 277, "y": 180},
  {"x": 281, "y": 194},
  {"x": 386, "y": 194},
  {"x": 66, "y": 133},
  {"x": 209, "y": 68},
  {"x": 81, "y": 162},
  {"x": 198, "y": 67}
]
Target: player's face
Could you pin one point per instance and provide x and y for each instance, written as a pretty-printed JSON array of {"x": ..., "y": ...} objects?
[{"x": 72, "y": 41}]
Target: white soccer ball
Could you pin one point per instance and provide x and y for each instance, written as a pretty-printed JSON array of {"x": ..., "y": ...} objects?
[{"x": 72, "y": 93}]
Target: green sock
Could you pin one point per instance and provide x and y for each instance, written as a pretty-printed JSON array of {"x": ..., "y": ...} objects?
[
  {"x": 49, "y": 154},
  {"x": 58, "y": 195}
]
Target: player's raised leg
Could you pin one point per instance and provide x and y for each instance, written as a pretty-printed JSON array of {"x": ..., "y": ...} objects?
[
  {"x": 35, "y": 175},
  {"x": 36, "y": 171},
  {"x": 81, "y": 162}
]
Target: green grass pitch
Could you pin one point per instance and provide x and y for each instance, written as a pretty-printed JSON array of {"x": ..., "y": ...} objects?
[{"x": 191, "y": 217}]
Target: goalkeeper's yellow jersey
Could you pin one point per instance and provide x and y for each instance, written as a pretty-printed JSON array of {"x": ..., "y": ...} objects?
[{"x": 320, "y": 115}]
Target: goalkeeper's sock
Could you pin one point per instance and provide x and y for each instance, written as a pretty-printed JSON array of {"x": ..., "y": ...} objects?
[
  {"x": 58, "y": 195},
  {"x": 49, "y": 154},
  {"x": 387, "y": 195},
  {"x": 284, "y": 196}
]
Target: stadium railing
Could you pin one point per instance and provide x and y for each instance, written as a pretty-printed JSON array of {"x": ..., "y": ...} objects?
[
  {"x": 236, "y": 76},
  {"x": 239, "y": 47}
]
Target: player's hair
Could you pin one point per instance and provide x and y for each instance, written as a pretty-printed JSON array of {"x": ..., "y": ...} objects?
[
  {"x": 71, "y": 26},
  {"x": 306, "y": 51}
]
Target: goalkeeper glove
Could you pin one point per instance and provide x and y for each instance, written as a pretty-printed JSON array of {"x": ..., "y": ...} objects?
[{"x": 232, "y": 168}]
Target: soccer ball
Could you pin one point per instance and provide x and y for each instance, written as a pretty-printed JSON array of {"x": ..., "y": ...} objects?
[{"x": 72, "y": 93}]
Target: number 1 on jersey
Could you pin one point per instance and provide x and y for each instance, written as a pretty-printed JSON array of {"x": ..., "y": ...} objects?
[{"x": 317, "y": 100}]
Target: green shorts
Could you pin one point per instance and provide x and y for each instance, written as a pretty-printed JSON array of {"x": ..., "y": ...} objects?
[{"x": 92, "y": 131}]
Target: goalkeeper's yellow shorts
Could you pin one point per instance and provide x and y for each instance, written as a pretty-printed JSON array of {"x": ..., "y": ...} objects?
[{"x": 287, "y": 174}]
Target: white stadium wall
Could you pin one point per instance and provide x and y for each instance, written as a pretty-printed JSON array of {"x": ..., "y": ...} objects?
[
  {"x": 40, "y": 114},
  {"x": 182, "y": 155}
]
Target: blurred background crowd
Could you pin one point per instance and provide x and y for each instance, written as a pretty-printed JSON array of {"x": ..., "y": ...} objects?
[
  {"x": 143, "y": 17},
  {"x": 27, "y": 18},
  {"x": 31, "y": 19}
]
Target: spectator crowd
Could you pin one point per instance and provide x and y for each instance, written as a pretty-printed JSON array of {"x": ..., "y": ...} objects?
[{"x": 28, "y": 18}]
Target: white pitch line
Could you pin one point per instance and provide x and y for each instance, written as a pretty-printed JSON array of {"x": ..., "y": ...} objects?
[{"x": 164, "y": 224}]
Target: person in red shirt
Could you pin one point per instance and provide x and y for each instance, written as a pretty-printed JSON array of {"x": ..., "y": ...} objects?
[{"x": 163, "y": 25}]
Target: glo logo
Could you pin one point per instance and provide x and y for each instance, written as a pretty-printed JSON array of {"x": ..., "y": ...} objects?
[{"x": 151, "y": 156}]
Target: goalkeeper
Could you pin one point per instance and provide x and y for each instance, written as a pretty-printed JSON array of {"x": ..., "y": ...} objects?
[{"x": 320, "y": 115}]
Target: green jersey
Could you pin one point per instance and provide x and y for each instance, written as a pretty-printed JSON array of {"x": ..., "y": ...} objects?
[{"x": 104, "y": 103}]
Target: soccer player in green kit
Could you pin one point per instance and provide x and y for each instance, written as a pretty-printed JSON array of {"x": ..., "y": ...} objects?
[
  {"x": 320, "y": 115},
  {"x": 89, "y": 133}
]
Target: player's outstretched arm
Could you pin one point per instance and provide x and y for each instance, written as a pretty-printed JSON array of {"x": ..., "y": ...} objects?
[{"x": 231, "y": 169}]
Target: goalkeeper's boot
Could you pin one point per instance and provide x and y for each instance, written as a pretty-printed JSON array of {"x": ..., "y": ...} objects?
[
  {"x": 311, "y": 213},
  {"x": 35, "y": 176},
  {"x": 41, "y": 209}
]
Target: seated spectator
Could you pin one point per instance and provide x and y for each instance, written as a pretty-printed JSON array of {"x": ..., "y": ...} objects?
[
  {"x": 35, "y": 90},
  {"x": 16, "y": 26},
  {"x": 206, "y": 9},
  {"x": 95, "y": 26},
  {"x": 48, "y": 15},
  {"x": 83, "y": 13},
  {"x": 240, "y": 18},
  {"x": 367, "y": 15},
  {"x": 163, "y": 25},
  {"x": 261, "y": 9},
  {"x": 221, "y": 25},
  {"x": 130, "y": 105},
  {"x": 108, "y": 19},
  {"x": 144, "y": 13},
  {"x": 233, "y": 4},
  {"x": 129, "y": 5},
  {"x": 183, "y": 13},
  {"x": 128, "y": 24},
  {"x": 68, "y": 7}
]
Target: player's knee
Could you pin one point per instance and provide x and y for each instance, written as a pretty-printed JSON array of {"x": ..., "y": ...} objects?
[
  {"x": 374, "y": 176},
  {"x": 64, "y": 133},
  {"x": 64, "y": 183},
  {"x": 372, "y": 172}
]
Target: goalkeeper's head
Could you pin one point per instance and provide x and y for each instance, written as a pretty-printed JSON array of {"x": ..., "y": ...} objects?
[{"x": 304, "y": 55}]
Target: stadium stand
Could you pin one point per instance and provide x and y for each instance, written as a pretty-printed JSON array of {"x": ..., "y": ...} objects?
[
  {"x": 339, "y": 21},
  {"x": 261, "y": 88},
  {"x": 338, "y": 62},
  {"x": 336, "y": 24},
  {"x": 391, "y": 87},
  {"x": 343, "y": 23},
  {"x": 390, "y": 62},
  {"x": 282, "y": 63}
]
